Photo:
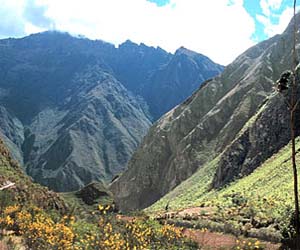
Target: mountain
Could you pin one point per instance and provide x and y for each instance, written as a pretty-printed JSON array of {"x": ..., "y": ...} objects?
[
  {"x": 70, "y": 119},
  {"x": 163, "y": 80},
  {"x": 214, "y": 129},
  {"x": 73, "y": 111},
  {"x": 177, "y": 80}
]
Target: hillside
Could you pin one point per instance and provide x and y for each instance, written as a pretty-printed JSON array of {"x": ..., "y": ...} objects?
[
  {"x": 32, "y": 217},
  {"x": 177, "y": 80},
  {"x": 214, "y": 122},
  {"x": 24, "y": 191},
  {"x": 73, "y": 110},
  {"x": 272, "y": 180},
  {"x": 264, "y": 199}
]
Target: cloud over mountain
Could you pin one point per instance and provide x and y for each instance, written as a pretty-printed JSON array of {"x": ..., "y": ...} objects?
[{"x": 198, "y": 25}]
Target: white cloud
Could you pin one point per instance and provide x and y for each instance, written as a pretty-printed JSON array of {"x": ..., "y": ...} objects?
[
  {"x": 220, "y": 29},
  {"x": 12, "y": 22},
  {"x": 274, "y": 23}
]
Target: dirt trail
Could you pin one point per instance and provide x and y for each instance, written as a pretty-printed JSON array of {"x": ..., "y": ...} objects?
[
  {"x": 213, "y": 240},
  {"x": 196, "y": 210},
  {"x": 209, "y": 239},
  {"x": 3, "y": 246},
  {"x": 216, "y": 241}
]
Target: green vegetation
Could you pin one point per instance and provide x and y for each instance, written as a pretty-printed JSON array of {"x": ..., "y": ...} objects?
[
  {"x": 261, "y": 201},
  {"x": 190, "y": 192},
  {"x": 31, "y": 216},
  {"x": 41, "y": 230},
  {"x": 24, "y": 192}
]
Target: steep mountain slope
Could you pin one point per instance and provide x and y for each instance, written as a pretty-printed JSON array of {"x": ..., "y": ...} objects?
[
  {"x": 171, "y": 84},
  {"x": 91, "y": 138},
  {"x": 197, "y": 131},
  {"x": 134, "y": 64},
  {"x": 72, "y": 110},
  {"x": 260, "y": 139}
]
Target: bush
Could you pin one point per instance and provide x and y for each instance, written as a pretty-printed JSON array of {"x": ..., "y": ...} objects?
[
  {"x": 6, "y": 199},
  {"x": 41, "y": 231}
]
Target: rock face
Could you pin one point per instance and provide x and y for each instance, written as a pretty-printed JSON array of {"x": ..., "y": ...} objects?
[
  {"x": 90, "y": 138},
  {"x": 211, "y": 121},
  {"x": 92, "y": 192},
  {"x": 73, "y": 110},
  {"x": 268, "y": 132}
]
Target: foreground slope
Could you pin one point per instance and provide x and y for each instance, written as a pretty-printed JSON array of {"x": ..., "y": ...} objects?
[
  {"x": 197, "y": 131},
  {"x": 24, "y": 191},
  {"x": 32, "y": 217}
]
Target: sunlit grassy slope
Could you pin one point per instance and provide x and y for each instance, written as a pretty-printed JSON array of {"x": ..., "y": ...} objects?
[
  {"x": 269, "y": 186},
  {"x": 190, "y": 192}
]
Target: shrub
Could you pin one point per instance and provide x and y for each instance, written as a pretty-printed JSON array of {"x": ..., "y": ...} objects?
[{"x": 43, "y": 231}]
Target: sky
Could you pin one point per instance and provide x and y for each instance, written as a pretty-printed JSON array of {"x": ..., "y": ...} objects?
[{"x": 219, "y": 29}]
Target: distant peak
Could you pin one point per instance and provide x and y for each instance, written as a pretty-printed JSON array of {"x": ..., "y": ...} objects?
[
  {"x": 128, "y": 43},
  {"x": 52, "y": 33},
  {"x": 185, "y": 51}
]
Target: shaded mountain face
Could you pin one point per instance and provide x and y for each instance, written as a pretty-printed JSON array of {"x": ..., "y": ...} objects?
[
  {"x": 74, "y": 110},
  {"x": 171, "y": 84},
  {"x": 214, "y": 119},
  {"x": 163, "y": 80}
]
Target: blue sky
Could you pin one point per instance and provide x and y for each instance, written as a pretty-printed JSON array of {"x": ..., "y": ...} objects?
[
  {"x": 160, "y": 2},
  {"x": 254, "y": 8},
  {"x": 220, "y": 29}
]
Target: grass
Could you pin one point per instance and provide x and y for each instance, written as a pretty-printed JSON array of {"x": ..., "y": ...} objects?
[
  {"x": 190, "y": 192},
  {"x": 262, "y": 200}
]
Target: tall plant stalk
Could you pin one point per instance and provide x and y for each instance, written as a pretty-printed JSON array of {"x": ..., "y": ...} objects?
[{"x": 293, "y": 106}]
